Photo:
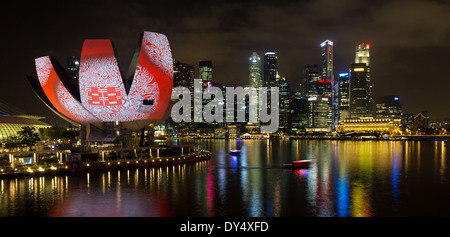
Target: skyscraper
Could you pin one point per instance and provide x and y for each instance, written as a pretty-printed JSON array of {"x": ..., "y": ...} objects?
[
  {"x": 205, "y": 72},
  {"x": 183, "y": 75},
  {"x": 344, "y": 95},
  {"x": 359, "y": 91},
  {"x": 298, "y": 115},
  {"x": 326, "y": 59},
  {"x": 310, "y": 77},
  {"x": 255, "y": 70},
  {"x": 319, "y": 115},
  {"x": 362, "y": 55},
  {"x": 330, "y": 86},
  {"x": 284, "y": 87},
  {"x": 255, "y": 78},
  {"x": 270, "y": 69}
]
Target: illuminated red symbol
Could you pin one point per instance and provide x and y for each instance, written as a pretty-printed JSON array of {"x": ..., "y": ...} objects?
[{"x": 105, "y": 96}]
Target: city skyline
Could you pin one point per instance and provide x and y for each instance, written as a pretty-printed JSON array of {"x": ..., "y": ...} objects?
[{"x": 402, "y": 52}]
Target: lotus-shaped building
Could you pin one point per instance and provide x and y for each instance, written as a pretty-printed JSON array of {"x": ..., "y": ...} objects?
[{"x": 100, "y": 93}]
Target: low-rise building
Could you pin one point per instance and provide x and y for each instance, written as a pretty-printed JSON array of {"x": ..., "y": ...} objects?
[{"x": 370, "y": 125}]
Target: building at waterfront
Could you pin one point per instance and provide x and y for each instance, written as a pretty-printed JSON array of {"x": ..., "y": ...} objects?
[
  {"x": 407, "y": 120},
  {"x": 344, "y": 95},
  {"x": 284, "y": 103},
  {"x": 370, "y": 125},
  {"x": 421, "y": 122},
  {"x": 359, "y": 91},
  {"x": 298, "y": 115},
  {"x": 362, "y": 55},
  {"x": 183, "y": 75},
  {"x": 388, "y": 107},
  {"x": 319, "y": 112},
  {"x": 255, "y": 80},
  {"x": 106, "y": 103},
  {"x": 12, "y": 120},
  {"x": 328, "y": 81}
]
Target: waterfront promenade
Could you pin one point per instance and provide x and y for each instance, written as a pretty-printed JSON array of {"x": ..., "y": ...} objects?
[{"x": 100, "y": 159}]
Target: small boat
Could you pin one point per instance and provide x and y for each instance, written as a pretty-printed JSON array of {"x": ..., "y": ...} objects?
[
  {"x": 298, "y": 164},
  {"x": 235, "y": 152}
]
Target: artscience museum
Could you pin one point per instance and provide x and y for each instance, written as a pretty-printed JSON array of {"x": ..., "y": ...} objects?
[{"x": 102, "y": 94}]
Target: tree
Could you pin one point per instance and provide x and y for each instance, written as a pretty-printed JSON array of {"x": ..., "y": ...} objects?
[
  {"x": 67, "y": 136},
  {"x": 12, "y": 142},
  {"x": 28, "y": 136}
]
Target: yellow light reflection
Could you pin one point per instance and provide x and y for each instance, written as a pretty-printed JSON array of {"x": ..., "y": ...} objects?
[{"x": 360, "y": 206}]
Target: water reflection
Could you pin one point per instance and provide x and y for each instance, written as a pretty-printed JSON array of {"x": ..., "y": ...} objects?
[{"x": 346, "y": 178}]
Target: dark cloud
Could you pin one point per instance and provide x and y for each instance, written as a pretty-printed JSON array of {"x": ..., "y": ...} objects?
[{"x": 410, "y": 40}]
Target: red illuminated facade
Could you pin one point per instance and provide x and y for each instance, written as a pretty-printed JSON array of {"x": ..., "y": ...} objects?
[{"x": 101, "y": 94}]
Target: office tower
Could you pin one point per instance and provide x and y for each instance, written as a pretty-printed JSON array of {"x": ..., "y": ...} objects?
[
  {"x": 408, "y": 121},
  {"x": 344, "y": 96},
  {"x": 205, "y": 72},
  {"x": 255, "y": 81},
  {"x": 183, "y": 75},
  {"x": 270, "y": 69},
  {"x": 388, "y": 107},
  {"x": 359, "y": 91},
  {"x": 73, "y": 65},
  {"x": 326, "y": 59},
  {"x": 362, "y": 55},
  {"x": 324, "y": 87},
  {"x": 330, "y": 86},
  {"x": 298, "y": 115},
  {"x": 319, "y": 114},
  {"x": 255, "y": 71},
  {"x": 284, "y": 87},
  {"x": 310, "y": 77}
]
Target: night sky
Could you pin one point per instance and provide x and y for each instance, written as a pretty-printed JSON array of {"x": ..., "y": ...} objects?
[{"x": 409, "y": 40}]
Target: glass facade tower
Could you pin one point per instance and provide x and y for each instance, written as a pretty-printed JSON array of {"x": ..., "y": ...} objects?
[
  {"x": 359, "y": 91},
  {"x": 255, "y": 70},
  {"x": 328, "y": 85},
  {"x": 362, "y": 55},
  {"x": 270, "y": 69}
]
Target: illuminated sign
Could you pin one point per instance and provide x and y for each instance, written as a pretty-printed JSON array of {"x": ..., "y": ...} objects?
[
  {"x": 343, "y": 74},
  {"x": 395, "y": 98},
  {"x": 359, "y": 69},
  {"x": 323, "y": 80},
  {"x": 102, "y": 94}
]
